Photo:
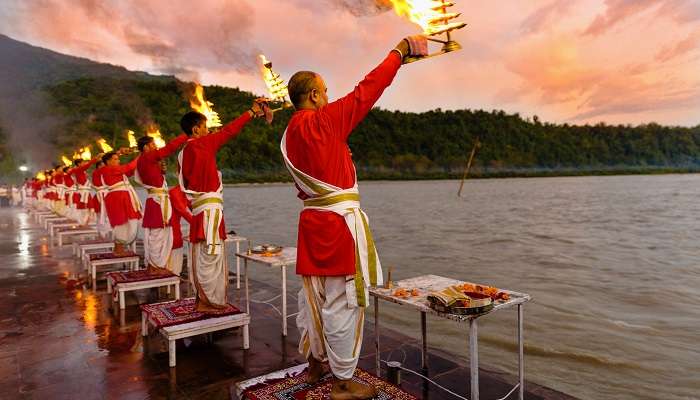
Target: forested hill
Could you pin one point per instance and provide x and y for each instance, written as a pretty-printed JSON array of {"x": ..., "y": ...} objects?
[{"x": 387, "y": 145}]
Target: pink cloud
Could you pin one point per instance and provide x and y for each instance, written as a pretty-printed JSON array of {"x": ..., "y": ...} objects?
[
  {"x": 564, "y": 60},
  {"x": 688, "y": 45}
]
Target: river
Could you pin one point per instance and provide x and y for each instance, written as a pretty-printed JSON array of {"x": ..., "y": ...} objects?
[{"x": 612, "y": 265}]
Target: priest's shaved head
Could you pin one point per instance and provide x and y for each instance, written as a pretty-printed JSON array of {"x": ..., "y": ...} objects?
[{"x": 307, "y": 90}]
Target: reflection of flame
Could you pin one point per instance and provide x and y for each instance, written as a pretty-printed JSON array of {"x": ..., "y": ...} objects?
[
  {"x": 40, "y": 176},
  {"x": 275, "y": 85},
  {"x": 132, "y": 139},
  {"x": 85, "y": 153},
  {"x": 90, "y": 312},
  {"x": 154, "y": 132},
  {"x": 104, "y": 146},
  {"x": 66, "y": 161},
  {"x": 431, "y": 15},
  {"x": 199, "y": 104}
]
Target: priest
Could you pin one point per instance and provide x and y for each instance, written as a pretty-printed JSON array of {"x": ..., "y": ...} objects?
[
  {"x": 158, "y": 211},
  {"x": 336, "y": 255},
  {"x": 201, "y": 181}
]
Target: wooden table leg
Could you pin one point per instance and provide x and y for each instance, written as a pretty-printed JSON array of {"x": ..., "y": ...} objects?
[
  {"x": 474, "y": 358},
  {"x": 171, "y": 353},
  {"x": 246, "y": 337}
]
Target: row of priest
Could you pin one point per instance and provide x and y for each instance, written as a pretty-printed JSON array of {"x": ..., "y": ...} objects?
[{"x": 336, "y": 257}]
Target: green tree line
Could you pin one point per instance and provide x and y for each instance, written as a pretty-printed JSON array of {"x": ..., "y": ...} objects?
[{"x": 387, "y": 145}]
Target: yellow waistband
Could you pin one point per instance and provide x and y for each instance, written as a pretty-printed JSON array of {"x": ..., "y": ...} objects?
[{"x": 331, "y": 200}]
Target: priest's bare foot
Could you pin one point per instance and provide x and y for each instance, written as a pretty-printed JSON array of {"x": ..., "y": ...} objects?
[
  {"x": 351, "y": 390},
  {"x": 316, "y": 371},
  {"x": 207, "y": 309},
  {"x": 153, "y": 270},
  {"x": 119, "y": 249}
]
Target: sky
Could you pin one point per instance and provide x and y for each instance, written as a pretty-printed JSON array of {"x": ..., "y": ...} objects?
[{"x": 573, "y": 61}]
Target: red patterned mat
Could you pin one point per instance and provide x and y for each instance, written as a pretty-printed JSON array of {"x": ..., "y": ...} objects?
[
  {"x": 296, "y": 388},
  {"x": 137, "y": 276},
  {"x": 108, "y": 256},
  {"x": 180, "y": 312}
]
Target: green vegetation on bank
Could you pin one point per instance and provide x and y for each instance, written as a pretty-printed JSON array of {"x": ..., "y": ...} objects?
[{"x": 387, "y": 145}]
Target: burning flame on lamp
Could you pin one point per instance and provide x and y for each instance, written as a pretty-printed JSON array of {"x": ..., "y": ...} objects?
[
  {"x": 41, "y": 176},
  {"x": 132, "y": 139},
  {"x": 157, "y": 138},
  {"x": 199, "y": 104},
  {"x": 433, "y": 18},
  {"x": 275, "y": 85},
  {"x": 66, "y": 161},
  {"x": 106, "y": 148},
  {"x": 85, "y": 153}
]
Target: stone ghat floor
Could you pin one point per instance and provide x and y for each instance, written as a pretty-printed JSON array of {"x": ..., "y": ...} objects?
[{"x": 59, "y": 339}]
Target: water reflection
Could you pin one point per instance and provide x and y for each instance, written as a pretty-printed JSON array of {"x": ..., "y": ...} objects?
[{"x": 90, "y": 310}]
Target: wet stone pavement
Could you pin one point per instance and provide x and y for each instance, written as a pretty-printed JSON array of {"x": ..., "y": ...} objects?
[{"x": 60, "y": 340}]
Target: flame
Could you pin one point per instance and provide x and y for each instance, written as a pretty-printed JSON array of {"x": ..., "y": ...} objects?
[
  {"x": 41, "y": 176},
  {"x": 275, "y": 85},
  {"x": 431, "y": 15},
  {"x": 104, "y": 146},
  {"x": 85, "y": 153},
  {"x": 132, "y": 139},
  {"x": 199, "y": 104},
  {"x": 157, "y": 138},
  {"x": 76, "y": 155},
  {"x": 66, "y": 161}
]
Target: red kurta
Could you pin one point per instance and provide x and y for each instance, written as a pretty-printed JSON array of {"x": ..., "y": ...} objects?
[
  {"x": 199, "y": 171},
  {"x": 118, "y": 204},
  {"x": 81, "y": 179},
  {"x": 68, "y": 181},
  {"x": 96, "y": 182},
  {"x": 56, "y": 180},
  {"x": 317, "y": 145},
  {"x": 148, "y": 168},
  {"x": 180, "y": 210}
]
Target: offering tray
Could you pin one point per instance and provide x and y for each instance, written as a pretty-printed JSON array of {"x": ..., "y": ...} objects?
[
  {"x": 476, "y": 303},
  {"x": 266, "y": 249}
]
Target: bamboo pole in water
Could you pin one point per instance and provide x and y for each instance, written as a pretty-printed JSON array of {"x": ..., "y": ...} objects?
[{"x": 468, "y": 167}]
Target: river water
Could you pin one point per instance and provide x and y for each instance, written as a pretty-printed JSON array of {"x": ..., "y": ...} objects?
[{"x": 612, "y": 265}]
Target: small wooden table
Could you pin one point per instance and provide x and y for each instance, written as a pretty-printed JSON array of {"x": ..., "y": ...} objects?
[
  {"x": 122, "y": 287},
  {"x": 80, "y": 248},
  {"x": 55, "y": 226},
  {"x": 132, "y": 262},
  {"x": 189, "y": 329},
  {"x": 37, "y": 214},
  {"x": 237, "y": 240},
  {"x": 48, "y": 222},
  {"x": 76, "y": 232},
  {"x": 287, "y": 257},
  {"x": 433, "y": 283}
]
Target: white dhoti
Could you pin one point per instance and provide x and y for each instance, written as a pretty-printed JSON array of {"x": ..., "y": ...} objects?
[
  {"x": 175, "y": 262},
  {"x": 330, "y": 327},
  {"x": 82, "y": 216},
  {"x": 210, "y": 273},
  {"x": 125, "y": 233},
  {"x": 157, "y": 244}
]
